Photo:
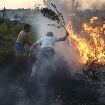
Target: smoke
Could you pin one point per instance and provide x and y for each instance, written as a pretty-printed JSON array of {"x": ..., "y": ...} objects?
[
  {"x": 93, "y": 4},
  {"x": 42, "y": 26},
  {"x": 47, "y": 87},
  {"x": 63, "y": 51},
  {"x": 84, "y": 4},
  {"x": 60, "y": 87},
  {"x": 64, "y": 55},
  {"x": 65, "y": 7}
]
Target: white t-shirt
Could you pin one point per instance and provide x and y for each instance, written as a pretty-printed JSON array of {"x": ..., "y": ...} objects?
[{"x": 47, "y": 41}]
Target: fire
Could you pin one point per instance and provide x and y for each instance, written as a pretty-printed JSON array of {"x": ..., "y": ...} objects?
[
  {"x": 93, "y": 19},
  {"x": 92, "y": 49}
]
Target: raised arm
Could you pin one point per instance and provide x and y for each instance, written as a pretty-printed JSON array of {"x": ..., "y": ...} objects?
[
  {"x": 33, "y": 47},
  {"x": 65, "y": 37}
]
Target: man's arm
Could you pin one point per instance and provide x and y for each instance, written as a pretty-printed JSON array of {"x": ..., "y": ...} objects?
[
  {"x": 65, "y": 37},
  {"x": 28, "y": 40},
  {"x": 33, "y": 47}
]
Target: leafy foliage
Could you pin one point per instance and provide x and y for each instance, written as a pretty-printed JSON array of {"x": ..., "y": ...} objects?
[{"x": 8, "y": 36}]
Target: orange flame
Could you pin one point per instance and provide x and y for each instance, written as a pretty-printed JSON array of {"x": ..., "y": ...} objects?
[
  {"x": 93, "y": 19},
  {"x": 90, "y": 50}
]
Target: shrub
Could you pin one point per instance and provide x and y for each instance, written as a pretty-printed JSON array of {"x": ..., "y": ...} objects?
[
  {"x": 4, "y": 29},
  {"x": 18, "y": 28}
]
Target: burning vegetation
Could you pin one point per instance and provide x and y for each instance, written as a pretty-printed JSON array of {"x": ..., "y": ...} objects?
[
  {"x": 61, "y": 87},
  {"x": 87, "y": 38},
  {"x": 91, "y": 49}
]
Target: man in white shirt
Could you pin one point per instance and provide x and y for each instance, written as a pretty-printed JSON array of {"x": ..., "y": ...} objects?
[{"x": 47, "y": 49}]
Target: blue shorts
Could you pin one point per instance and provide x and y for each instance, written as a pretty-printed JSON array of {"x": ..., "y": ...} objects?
[{"x": 19, "y": 48}]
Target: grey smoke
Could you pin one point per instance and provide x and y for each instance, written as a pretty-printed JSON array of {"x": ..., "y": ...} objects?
[
  {"x": 42, "y": 26},
  {"x": 16, "y": 89},
  {"x": 68, "y": 54},
  {"x": 93, "y": 4},
  {"x": 84, "y": 4}
]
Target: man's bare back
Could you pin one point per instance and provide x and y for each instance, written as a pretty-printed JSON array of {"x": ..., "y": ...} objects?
[{"x": 23, "y": 38}]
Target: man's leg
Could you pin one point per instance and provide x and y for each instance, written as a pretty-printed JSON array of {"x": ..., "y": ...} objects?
[
  {"x": 38, "y": 62},
  {"x": 34, "y": 70}
]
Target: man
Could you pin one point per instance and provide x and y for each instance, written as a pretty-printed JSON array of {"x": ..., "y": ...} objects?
[
  {"x": 23, "y": 38},
  {"x": 47, "y": 49}
]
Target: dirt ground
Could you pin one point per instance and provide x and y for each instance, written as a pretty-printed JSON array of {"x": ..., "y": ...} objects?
[{"x": 47, "y": 87}]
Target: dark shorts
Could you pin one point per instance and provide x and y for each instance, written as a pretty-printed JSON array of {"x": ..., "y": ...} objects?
[
  {"x": 19, "y": 48},
  {"x": 43, "y": 55}
]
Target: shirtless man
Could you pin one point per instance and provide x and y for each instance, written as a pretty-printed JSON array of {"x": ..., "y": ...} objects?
[
  {"x": 47, "y": 49},
  {"x": 23, "y": 38}
]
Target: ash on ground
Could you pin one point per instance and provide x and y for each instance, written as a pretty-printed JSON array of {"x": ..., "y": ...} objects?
[{"x": 50, "y": 87}]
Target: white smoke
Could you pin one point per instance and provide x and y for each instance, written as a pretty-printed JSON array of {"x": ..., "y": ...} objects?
[
  {"x": 65, "y": 7},
  {"x": 63, "y": 48},
  {"x": 84, "y": 4},
  {"x": 93, "y": 4}
]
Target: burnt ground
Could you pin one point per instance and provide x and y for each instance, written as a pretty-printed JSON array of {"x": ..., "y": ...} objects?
[{"x": 47, "y": 87}]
